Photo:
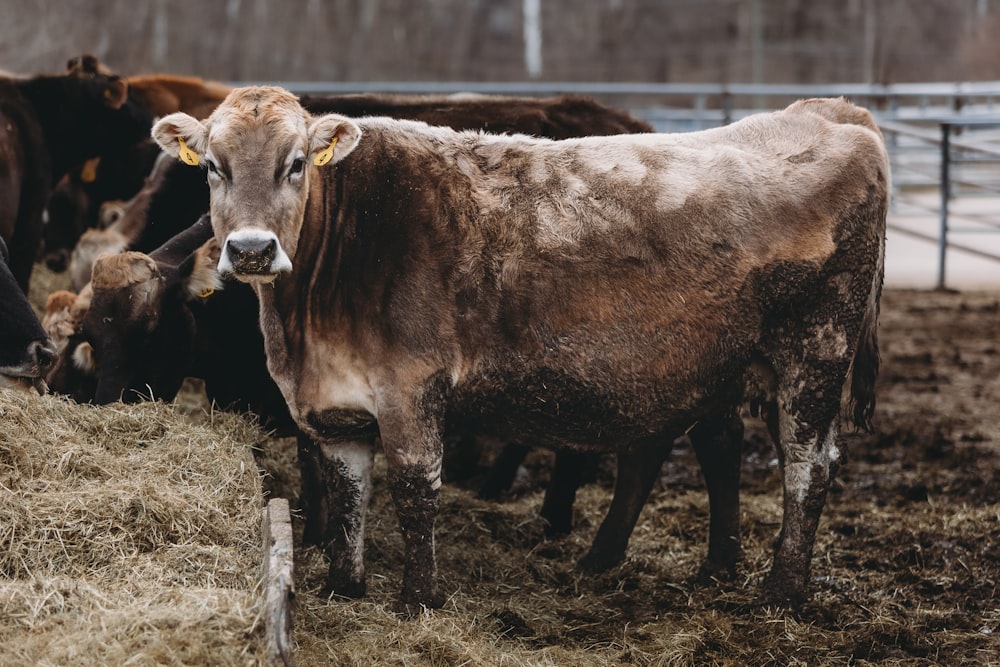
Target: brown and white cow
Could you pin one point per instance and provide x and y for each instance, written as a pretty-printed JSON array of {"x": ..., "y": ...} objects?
[
  {"x": 174, "y": 196},
  {"x": 608, "y": 293}
]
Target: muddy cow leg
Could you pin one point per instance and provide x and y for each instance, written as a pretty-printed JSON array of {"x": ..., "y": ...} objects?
[
  {"x": 808, "y": 405},
  {"x": 560, "y": 494},
  {"x": 410, "y": 426},
  {"x": 346, "y": 471},
  {"x": 313, "y": 502},
  {"x": 718, "y": 444},
  {"x": 638, "y": 468}
]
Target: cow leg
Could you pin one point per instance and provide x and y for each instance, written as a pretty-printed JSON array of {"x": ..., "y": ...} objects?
[
  {"x": 567, "y": 473},
  {"x": 346, "y": 469},
  {"x": 557, "y": 508},
  {"x": 809, "y": 457},
  {"x": 313, "y": 502},
  {"x": 411, "y": 437},
  {"x": 503, "y": 471},
  {"x": 718, "y": 444},
  {"x": 638, "y": 468}
]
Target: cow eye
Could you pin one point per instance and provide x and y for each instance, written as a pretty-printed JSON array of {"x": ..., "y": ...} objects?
[
  {"x": 213, "y": 170},
  {"x": 297, "y": 165}
]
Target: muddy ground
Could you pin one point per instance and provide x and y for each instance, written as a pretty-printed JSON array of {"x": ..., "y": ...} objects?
[{"x": 906, "y": 569}]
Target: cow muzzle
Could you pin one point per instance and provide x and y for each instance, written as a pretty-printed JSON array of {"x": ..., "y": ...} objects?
[
  {"x": 253, "y": 255},
  {"x": 30, "y": 374}
]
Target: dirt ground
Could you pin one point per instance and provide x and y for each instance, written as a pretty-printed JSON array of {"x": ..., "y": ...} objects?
[{"x": 906, "y": 569}]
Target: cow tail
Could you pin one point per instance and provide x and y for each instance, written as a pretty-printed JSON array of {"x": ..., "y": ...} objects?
[{"x": 864, "y": 368}]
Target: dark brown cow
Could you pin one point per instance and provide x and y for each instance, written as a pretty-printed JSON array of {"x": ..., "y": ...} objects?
[
  {"x": 49, "y": 124},
  {"x": 25, "y": 350},
  {"x": 76, "y": 202},
  {"x": 558, "y": 117},
  {"x": 607, "y": 292}
]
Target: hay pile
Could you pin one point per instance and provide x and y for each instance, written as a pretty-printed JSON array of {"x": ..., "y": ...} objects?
[{"x": 128, "y": 535}]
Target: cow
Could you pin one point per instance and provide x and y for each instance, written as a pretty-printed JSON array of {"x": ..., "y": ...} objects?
[
  {"x": 76, "y": 202},
  {"x": 601, "y": 292},
  {"x": 174, "y": 196},
  {"x": 25, "y": 350},
  {"x": 48, "y": 124},
  {"x": 556, "y": 117}
]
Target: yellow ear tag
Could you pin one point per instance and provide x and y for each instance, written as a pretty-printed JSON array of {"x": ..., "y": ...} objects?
[
  {"x": 325, "y": 155},
  {"x": 204, "y": 294},
  {"x": 89, "y": 172},
  {"x": 187, "y": 155}
]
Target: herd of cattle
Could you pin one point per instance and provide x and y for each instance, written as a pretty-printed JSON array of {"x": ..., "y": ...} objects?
[{"x": 392, "y": 271}]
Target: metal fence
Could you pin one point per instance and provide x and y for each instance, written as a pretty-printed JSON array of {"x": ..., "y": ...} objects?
[{"x": 943, "y": 138}]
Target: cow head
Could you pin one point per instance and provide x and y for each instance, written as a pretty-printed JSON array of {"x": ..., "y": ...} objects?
[
  {"x": 259, "y": 147},
  {"x": 25, "y": 351},
  {"x": 72, "y": 373},
  {"x": 87, "y": 63},
  {"x": 138, "y": 328}
]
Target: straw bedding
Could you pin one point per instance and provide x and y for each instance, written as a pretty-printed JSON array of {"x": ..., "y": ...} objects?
[{"x": 128, "y": 535}]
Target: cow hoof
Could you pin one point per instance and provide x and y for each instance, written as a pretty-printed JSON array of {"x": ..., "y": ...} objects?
[
  {"x": 337, "y": 587},
  {"x": 412, "y": 608},
  {"x": 786, "y": 597},
  {"x": 596, "y": 562},
  {"x": 710, "y": 573},
  {"x": 555, "y": 529}
]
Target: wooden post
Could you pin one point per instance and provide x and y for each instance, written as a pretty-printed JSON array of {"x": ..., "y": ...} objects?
[{"x": 279, "y": 582}]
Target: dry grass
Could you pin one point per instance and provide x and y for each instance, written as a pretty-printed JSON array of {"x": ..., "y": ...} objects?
[{"x": 128, "y": 535}]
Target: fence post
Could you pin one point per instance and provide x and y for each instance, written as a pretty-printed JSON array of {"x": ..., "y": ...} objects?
[{"x": 945, "y": 196}]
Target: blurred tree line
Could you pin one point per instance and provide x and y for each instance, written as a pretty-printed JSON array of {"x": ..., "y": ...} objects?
[{"x": 771, "y": 41}]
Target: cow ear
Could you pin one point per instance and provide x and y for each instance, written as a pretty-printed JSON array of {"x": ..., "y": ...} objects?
[
  {"x": 112, "y": 271},
  {"x": 182, "y": 136},
  {"x": 204, "y": 278},
  {"x": 332, "y": 138}
]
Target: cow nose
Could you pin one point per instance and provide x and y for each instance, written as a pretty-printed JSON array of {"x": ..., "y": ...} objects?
[
  {"x": 251, "y": 255},
  {"x": 43, "y": 354}
]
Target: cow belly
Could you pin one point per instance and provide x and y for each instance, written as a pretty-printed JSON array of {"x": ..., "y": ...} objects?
[
  {"x": 341, "y": 424},
  {"x": 550, "y": 408}
]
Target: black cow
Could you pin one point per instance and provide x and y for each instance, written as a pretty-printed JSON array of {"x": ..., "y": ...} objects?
[
  {"x": 49, "y": 125},
  {"x": 25, "y": 350}
]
